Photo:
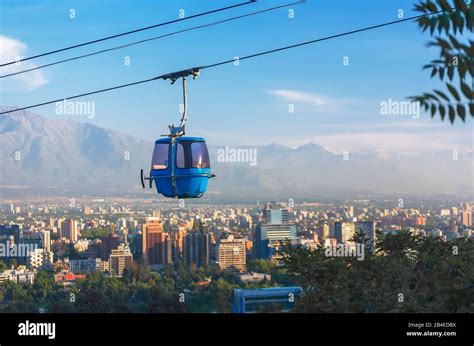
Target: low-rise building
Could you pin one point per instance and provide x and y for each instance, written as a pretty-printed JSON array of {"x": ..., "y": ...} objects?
[
  {"x": 257, "y": 300},
  {"x": 254, "y": 277},
  {"x": 40, "y": 259},
  {"x": 18, "y": 275},
  {"x": 67, "y": 278},
  {"x": 87, "y": 265}
]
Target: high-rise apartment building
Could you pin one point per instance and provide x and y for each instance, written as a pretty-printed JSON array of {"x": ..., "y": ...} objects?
[
  {"x": 368, "y": 229},
  {"x": 276, "y": 213},
  {"x": 69, "y": 230},
  {"x": 119, "y": 260},
  {"x": 323, "y": 231},
  {"x": 156, "y": 244},
  {"x": 275, "y": 229},
  {"x": 466, "y": 218},
  {"x": 10, "y": 232},
  {"x": 176, "y": 235},
  {"x": 196, "y": 248},
  {"x": 344, "y": 231},
  {"x": 47, "y": 240},
  {"x": 231, "y": 254},
  {"x": 108, "y": 243}
]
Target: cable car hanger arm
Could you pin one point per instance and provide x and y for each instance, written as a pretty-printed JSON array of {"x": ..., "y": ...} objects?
[{"x": 178, "y": 131}]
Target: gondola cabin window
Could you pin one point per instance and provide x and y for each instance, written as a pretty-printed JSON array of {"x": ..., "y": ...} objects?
[
  {"x": 192, "y": 154},
  {"x": 160, "y": 156}
]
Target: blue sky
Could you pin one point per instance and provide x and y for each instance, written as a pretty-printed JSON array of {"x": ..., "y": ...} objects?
[{"x": 335, "y": 105}]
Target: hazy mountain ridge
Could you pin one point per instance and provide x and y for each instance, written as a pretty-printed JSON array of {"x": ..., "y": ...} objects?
[{"x": 70, "y": 157}]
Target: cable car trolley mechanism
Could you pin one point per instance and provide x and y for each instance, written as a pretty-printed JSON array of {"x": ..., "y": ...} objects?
[{"x": 180, "y": 166}]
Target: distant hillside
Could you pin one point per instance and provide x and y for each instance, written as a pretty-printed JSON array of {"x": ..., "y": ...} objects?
[{"x": 68, "y": 157}]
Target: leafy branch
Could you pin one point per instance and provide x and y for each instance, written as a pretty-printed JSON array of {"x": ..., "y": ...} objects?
[{"x": 455, "y": 60}]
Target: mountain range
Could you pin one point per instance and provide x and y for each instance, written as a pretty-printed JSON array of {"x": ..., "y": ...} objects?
[{"x": 39, "y": 155}]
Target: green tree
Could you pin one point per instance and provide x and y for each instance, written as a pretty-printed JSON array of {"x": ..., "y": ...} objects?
[
  {"x": 95, "y": 233},
  {"x": 164, "y": 300},
  {"x": 261, "y": 266},
  {"x": 405, "y": 273}
]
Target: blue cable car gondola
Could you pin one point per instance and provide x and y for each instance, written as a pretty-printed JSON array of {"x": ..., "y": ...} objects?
[{"x": 180, "y": 166}]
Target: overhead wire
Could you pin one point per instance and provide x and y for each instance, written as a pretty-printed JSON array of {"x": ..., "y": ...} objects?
[
  {"x": 156, "y": 38},
  {"x": 167, "y": 75},
  {"x": 129, "y": 32}
]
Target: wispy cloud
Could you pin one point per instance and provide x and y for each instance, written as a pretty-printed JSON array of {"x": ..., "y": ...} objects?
[
  {"x": 12, "y": 50},
  {"x": 319, "y": 103},
  {"x": 301, "y": 96}
]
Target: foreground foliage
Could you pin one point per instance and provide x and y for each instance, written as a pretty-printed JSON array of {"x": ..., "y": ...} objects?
[
  {"x": 405, "y": 273},
  {"x": 173, "y": 290}
]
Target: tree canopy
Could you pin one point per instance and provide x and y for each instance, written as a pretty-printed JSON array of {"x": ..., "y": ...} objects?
[{"x": 404, "y": 273}]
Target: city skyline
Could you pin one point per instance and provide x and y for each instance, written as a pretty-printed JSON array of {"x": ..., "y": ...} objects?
[
  {"x": 170, "y": 234},
  {"x": 187, "y": 251}
]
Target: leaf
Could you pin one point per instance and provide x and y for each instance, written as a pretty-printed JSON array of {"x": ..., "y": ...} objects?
[
  {"x": 458, "y": 4},
  {"x": 453, "y": 21},
  {"x": 469, "y": 49},
  {"x": 442, "y": 95},
  {"x": 431, "y": 6},
  {"x": 450, "y": 72},
  {"x": 441, "y": 73},
  {"x": 453, "y": 91},
  {"x": 446, "y": 54},
  {"x": 434, "y": 71},
  {"x": 471, "y": 109},
  {"x": 469, "y": 18},
  {"x": 433, "y": 110},
  {"x": 443, "y": 43},
  {"x": 460, "y": 21},
  {"x": 431, "y": 96},
  {"x": 444, "y": 5},
  {"x": 454, "y": 42},
  {"x": 461, "y": 111},
  {"x": 440, "y": 24},
  {"x": 420, "y": 8},
  {"x": 462, "y": 69},
  {"x": 432, "y": 25},
  {"x": 442, "y": 111},
  {"x": 423, "y": 22},
  {"x": 452, "y": 114},
  {"x": 466, "y": 90},
  {"x": 446, "y": 22}
]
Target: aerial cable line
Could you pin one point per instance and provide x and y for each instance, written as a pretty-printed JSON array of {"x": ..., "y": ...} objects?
[
  {"x": 129, "y": 32},
  {"x": 192, "y": 71},
  {"x": 156, "y": 37},
  {"x": 320, "y": 39}
]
